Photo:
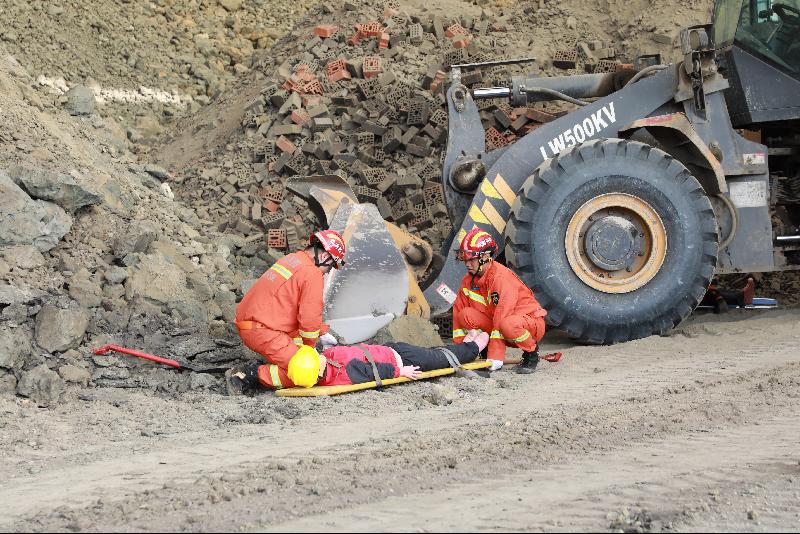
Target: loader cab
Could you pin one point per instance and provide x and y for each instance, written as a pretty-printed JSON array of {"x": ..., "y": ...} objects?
[{"x": 759, "y": 52}]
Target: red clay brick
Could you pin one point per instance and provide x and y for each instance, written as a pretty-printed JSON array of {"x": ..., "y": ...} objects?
[
  {"x": 539, "y": 116},
  {"x": 437, "y": 80},
  {"x": 285, "y": 145},
  {"x": 372, "y": 66},
  {"x": 325, "y": 30},
  {"x": 373, "y": 29},
  {"x": 455, "y": 29},
  {"x": 462, "y": 42},
  {"x": 276, "y": 238},
  {"x": 357, "y": 36},
  {"x": 337, "y": 70},
  {"x": 300, "y": 116},
  {"x": 312, "y": 87}
]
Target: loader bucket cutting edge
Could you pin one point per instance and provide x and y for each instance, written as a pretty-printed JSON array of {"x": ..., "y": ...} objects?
[{"x": 324, "y": 194}]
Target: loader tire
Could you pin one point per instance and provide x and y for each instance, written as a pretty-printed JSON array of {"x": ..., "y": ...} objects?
[{"x": 616, "y": 238}]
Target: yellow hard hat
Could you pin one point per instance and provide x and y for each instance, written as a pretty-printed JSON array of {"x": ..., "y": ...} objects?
[{"x": 304, "y": 367}]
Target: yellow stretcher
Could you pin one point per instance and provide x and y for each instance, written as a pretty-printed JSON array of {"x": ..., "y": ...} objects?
[{"x": 319, "y": 391}]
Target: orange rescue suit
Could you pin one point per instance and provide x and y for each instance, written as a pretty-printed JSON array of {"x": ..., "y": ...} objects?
[
  {"x": 282, "y": 310},
  {"x": 501, "y": 304}
]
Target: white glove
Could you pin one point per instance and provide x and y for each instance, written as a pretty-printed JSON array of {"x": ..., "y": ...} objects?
[
  {"x": 328, "y": 340},
  {"x": 496, "y": 364}
]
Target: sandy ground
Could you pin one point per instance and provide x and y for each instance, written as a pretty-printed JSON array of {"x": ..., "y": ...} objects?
[{"x": 694, "y": 431}]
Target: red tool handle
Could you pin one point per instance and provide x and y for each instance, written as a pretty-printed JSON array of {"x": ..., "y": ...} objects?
[
  {"x": 552, "y": 357},
  {"x": 158, "y": 359}
]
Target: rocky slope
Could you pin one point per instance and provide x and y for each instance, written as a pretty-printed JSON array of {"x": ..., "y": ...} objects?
[
  {"x": 93, "y": 249},
  {"x": 145, "y": 61}
]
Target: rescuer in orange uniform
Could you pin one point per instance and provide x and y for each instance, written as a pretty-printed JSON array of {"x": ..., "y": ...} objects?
[
  {"x": 493, "y": 299},
  {"x": 283, "y": 309}
]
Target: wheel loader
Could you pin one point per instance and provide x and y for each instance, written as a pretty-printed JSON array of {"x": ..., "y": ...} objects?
[{"x": 616, "y": 214}]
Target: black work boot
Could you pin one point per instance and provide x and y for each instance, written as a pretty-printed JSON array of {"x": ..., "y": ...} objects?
[
  {"x": 243, "y": 380},
  {"x": 529, "y": 362}
]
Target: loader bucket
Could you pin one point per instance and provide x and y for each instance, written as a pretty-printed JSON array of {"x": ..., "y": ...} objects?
[
  {"x": 379, "y": 280},
  {"x": 372, "y": 288}
]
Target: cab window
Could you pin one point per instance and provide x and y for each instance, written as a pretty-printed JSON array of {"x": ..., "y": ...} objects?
[{"x": 765, "y": 28}]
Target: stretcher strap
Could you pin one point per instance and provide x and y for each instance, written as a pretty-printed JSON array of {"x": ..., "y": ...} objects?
[
  {"x": 371, "y": 360},
  {"x": 333, "y": 363},
  {"x": 451, "y": 358}
]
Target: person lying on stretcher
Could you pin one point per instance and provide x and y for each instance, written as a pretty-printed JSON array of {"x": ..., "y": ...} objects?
[{"x": 356, "y": 364}]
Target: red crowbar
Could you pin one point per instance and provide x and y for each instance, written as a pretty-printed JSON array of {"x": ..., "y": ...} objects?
[{"x": 181, "y": 365}]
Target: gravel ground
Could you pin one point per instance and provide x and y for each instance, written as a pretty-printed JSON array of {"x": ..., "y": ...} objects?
[{"x": 687, "y": 432}]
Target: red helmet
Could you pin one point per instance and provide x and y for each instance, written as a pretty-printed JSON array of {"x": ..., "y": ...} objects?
[
  {"x": 475, "y": 243},
  {"x": 333, "y": 243}
]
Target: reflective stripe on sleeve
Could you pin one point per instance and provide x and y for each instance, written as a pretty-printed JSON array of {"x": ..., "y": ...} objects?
[
  {"x": 309, "y": 335},
  {"x": 496, "y": 335},
  {"x": 477, "y": 297},
  {"x": 281, "y": 270},
  {"x": 297, "y": 340},
  {"x": 459, "y": 333}
]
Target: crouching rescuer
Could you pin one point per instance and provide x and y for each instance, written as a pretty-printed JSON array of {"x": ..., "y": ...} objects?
[
  {"x": 280, "y": 317},
  {"x": 493, "y": 299}
]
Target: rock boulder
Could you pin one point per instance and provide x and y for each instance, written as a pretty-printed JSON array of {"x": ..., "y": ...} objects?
[
  {"x": 158, "y": 279},
  {"x": 11, "y": 294},
  {"x": 136, "y": 238},
  {"x": 15, "y": 346},
  {"x": 41, "y": 385},
  {"x": 23, "y": 256},
  {"x": 73, "y": 374},
  {"x": 409, "y": 329},
  {"x": 24, "y": 221},
  {"x": 80, "y": 100},
  {"x": 8, "y": 382},
  {"x": 59, "y": 329},
  {"x": 71, "y": 192}
]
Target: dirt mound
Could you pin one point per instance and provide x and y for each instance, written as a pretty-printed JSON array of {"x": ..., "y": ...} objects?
[{"x": 144, "y": 61}]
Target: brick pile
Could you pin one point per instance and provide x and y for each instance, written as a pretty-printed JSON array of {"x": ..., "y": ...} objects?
[
  {"x": 358, "y": 93},
  {"x": 594, "y": 56}
]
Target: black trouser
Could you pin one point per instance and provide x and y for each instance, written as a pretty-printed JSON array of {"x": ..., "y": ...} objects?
[
  {"x": 712, "y": 296},
  {"x": 429, "y": 359}
]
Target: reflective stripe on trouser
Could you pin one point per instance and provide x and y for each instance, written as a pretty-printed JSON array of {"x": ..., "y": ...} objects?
[
  {"x": 515, "y": 331},
  {"x": 276, "y": 347},
  {"x": 273, "y": 377}
]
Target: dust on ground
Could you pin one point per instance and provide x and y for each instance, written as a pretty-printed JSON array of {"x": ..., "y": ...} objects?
[{"x": 666, "y": 433}]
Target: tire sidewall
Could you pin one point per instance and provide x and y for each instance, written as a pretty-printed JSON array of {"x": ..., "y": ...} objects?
[{"x": 657, "y": 180}]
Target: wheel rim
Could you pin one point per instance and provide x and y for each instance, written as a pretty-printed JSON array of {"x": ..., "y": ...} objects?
[{"x": 616, "y": 243}]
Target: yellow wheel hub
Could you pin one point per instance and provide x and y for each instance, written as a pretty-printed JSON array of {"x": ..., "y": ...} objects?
[{"x": 616, "y": 243}]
